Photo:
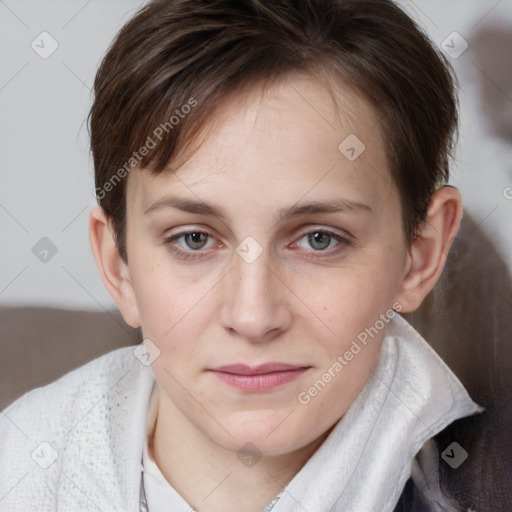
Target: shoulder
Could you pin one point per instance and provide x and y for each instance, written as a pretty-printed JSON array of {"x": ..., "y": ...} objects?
[{"x": 67, "y": 442}]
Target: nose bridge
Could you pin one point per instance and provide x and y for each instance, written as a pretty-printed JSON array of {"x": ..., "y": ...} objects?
[
  {"x": 254, "y": 308},
  {"x": 254, "y": 279}
]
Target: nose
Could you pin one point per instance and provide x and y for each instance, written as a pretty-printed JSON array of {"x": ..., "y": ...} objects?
[{"x": 255, "y": 306}]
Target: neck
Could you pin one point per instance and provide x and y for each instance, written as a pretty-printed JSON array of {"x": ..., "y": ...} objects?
[{"x": 213, "y": 479}]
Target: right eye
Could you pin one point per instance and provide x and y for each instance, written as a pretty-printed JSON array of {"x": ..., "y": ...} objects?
[{"x": 194, "y": 240}]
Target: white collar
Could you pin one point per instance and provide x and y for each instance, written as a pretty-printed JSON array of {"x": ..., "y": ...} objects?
[{"x": 365, "y": 461}]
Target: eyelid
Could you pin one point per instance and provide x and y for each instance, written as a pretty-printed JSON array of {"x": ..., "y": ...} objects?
[
  {"x": 189, "y": 232},
  {"x": 320, "y": 229}
]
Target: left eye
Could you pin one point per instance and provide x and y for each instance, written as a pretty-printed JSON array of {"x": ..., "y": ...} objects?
[{"x": 321, "y": 240}]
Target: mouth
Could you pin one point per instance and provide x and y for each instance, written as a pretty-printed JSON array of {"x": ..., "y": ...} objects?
[{"x": 260, "y": 378}]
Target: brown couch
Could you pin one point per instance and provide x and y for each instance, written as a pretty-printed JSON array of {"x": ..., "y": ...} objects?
[{"x": 39, "y": 344}]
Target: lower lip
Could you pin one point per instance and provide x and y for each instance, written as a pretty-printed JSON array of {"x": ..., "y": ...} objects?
[{"x": 260, "y": 382}]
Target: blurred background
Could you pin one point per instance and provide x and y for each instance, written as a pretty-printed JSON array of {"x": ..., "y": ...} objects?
[{"x": 50, "y": 52}]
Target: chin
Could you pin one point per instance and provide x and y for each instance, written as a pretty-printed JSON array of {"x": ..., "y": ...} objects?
[{"x": 263, "y": 432}]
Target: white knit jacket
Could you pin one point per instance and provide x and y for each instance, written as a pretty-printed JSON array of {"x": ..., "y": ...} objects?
[{"x": 77, "y": 444}]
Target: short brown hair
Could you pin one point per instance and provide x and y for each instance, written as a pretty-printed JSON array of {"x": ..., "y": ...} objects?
[{"x": 193, "y": 53}]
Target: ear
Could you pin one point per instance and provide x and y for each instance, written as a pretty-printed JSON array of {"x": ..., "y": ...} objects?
[
  {"x": 114, "y": 272},
  {"x": 427, "y": 254}
]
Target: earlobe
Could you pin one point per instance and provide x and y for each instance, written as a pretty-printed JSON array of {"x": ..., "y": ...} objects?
[
  {"x": 428, "y": 252},
  {"x": 114, "y": 272}
]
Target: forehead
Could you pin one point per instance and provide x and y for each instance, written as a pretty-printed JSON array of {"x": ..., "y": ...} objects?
[{"x": 279, "y": 144}]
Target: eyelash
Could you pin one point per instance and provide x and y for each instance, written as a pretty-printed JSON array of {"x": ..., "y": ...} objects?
[{"x": 193, "y": 255}]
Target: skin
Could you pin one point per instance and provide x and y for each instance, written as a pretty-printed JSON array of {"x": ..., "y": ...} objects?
[{"x": 298, "y": 302}]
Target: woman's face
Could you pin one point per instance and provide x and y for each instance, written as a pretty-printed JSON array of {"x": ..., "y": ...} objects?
[{"x": 271, "y": 287}]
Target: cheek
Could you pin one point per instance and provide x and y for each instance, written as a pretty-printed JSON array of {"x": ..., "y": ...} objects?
[
  {"x": 350, "y": 298},
  {"x": 351, "y": 307},
  {"x": 351, "y": 304},
  {"x": 169, "y": 307}
]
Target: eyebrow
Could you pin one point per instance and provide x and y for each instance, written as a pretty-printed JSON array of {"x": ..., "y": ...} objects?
[{"x": 202, "y": 208}]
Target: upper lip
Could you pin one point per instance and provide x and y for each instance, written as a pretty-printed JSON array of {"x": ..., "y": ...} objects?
[{"x": 242, "y": 369}]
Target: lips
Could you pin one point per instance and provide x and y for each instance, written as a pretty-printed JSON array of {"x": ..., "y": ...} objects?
[
  {"x": 258, "y": 378},
  {"x": 242, "y": 369}
]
